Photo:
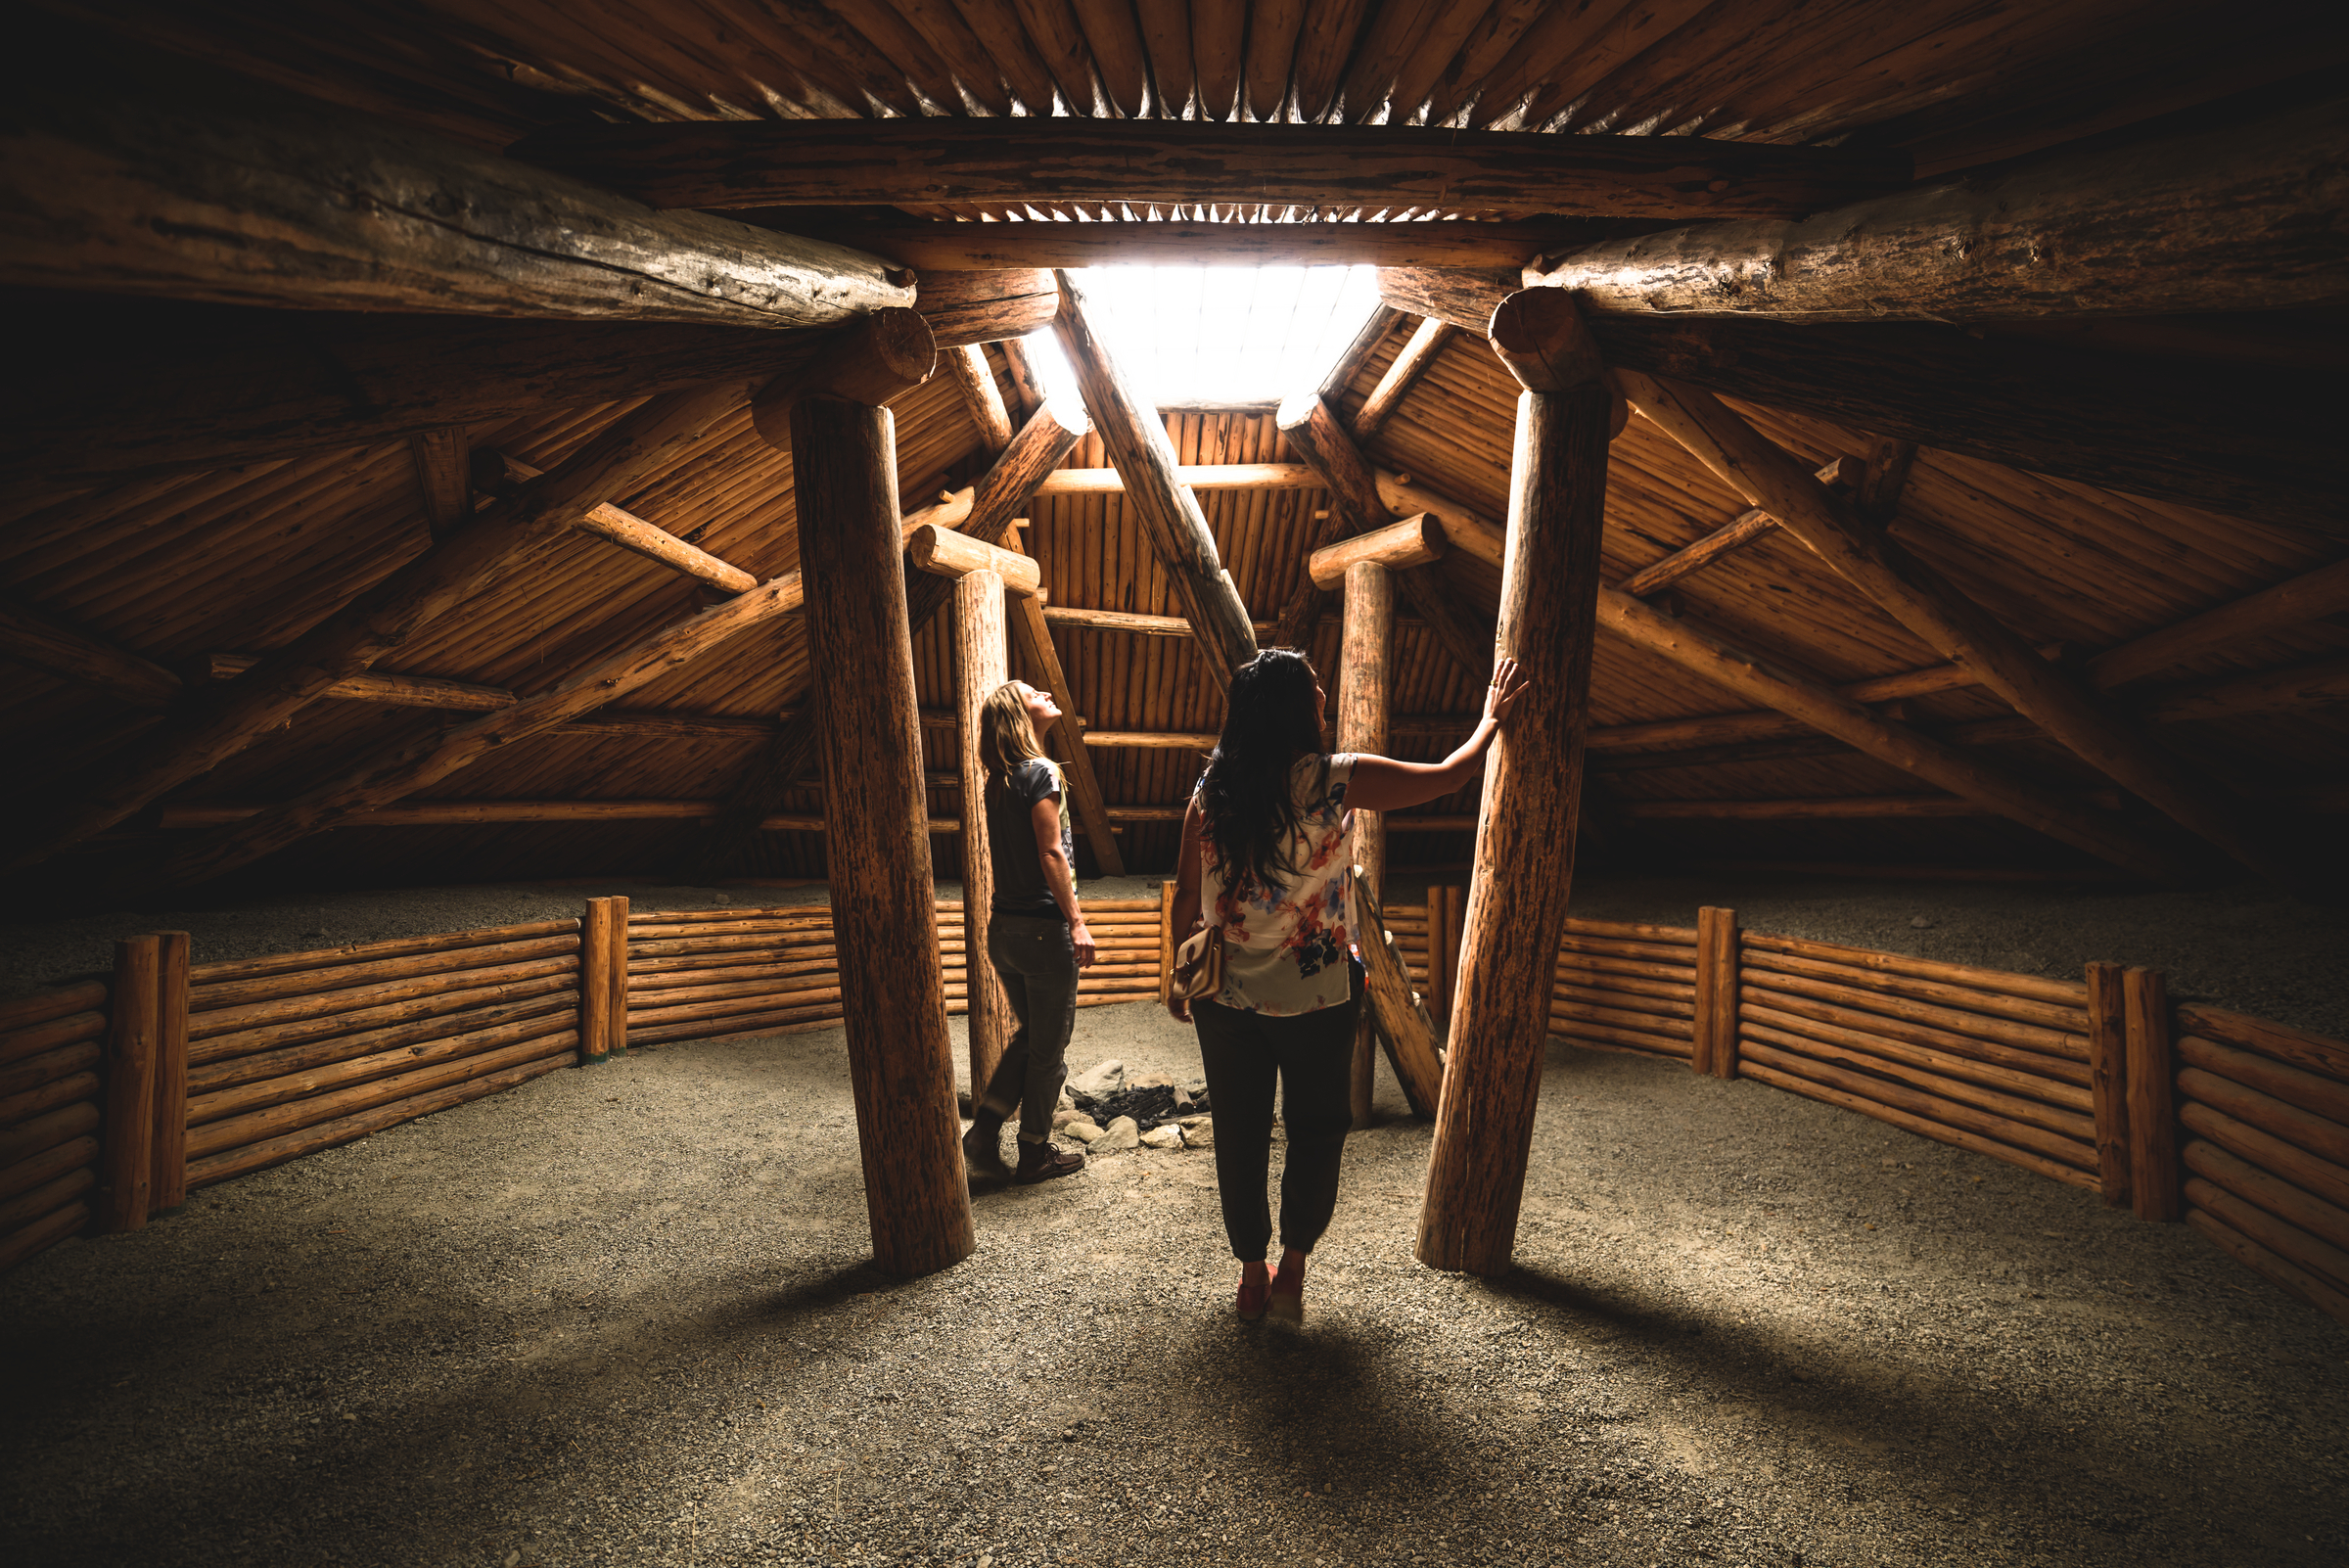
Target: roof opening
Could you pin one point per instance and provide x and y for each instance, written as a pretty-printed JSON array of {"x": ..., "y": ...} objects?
[{"x": 1216, "y": 334}]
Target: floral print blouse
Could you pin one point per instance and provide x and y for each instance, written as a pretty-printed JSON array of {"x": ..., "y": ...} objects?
[{"x": 1287, "y": 951}]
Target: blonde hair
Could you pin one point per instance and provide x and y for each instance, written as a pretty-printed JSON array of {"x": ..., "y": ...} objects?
[{"x": 1006, "y": 738}]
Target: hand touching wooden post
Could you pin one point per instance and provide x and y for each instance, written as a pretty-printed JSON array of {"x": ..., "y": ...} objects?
[
  {"x": 892, "y": 983},
  {"x": 1525, "y": 846},
  {"x": 1365, "y": 700},
  {"x": 1170, "y": 515},
  {"x": 980, "y": 667}
]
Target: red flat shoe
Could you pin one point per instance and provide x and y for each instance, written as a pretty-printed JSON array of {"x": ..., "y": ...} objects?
[
  {"x": 1285, "y": 1297},
  {"x": 1252, "y": 1296}
]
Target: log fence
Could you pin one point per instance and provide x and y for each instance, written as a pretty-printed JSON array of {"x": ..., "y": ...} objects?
[{"x": 119, "y": 1094}]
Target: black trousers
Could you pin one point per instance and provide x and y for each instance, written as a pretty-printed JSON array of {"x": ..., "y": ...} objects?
[{"x": 1310, "y": 1056}]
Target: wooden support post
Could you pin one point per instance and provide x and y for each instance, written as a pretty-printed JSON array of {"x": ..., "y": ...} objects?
[
  {"x": 167, "y": 1186},
  {"x": 2109, "y": 1080},
  {"x": 981, "y": 660},
  {"x": 443, "y": 475},
  {"x": 616, "y": 984},
  {"x": 1525, "y": 845},
  {"x": 1356, "y": 507},
  {"x": 1716, "y": 1054},
  {"x": 1439, "y": 960},
  {"x": 1365, "y": 703},
  {"x": 892, "y": 983},
  {"x": 1067, "y": 740},
  {"x": 2153, "y": 1176},
  {"x": 127, "y": 1151},
  {"x": 887, "y": 354},
  {"x": 1456, "y": 931},
  {"x": 595, "y": 982},
  {"x": 1170, "y": 515},
  {"x": 1399, "y": 1014}
]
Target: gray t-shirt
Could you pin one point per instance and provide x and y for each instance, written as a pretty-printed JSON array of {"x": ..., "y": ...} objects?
[{"x": 1020, "y": 886}]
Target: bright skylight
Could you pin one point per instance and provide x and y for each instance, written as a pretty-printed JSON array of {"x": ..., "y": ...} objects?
[{"x": 1216, "y": 334}]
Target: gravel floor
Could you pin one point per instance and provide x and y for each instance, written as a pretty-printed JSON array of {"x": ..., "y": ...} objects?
[{"x": 621, "y": 1315}]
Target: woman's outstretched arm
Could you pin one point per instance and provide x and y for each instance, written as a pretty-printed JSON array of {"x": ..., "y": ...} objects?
[{"x": 1386, "y": 784}]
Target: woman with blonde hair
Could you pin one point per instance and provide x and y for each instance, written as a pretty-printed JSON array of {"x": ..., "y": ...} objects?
[
  {"x": 1268, "y": 856},
  {"x": 1036, "y": 935}
]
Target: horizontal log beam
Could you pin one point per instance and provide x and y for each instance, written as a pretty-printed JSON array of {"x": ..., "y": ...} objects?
[
  {"x": 639, "y": 537},
  {"x": 398, "y": 691},
  {"x": 2294, "y": 602},
  {"x": 1409, "y": 542},
  {"x": 475, "y": 814},
  {"x": 946, "y": 553},
  {"x": 926, "y": 247},
  {"x": 1420, "y": 350},
  {"x": 2255, "y": 217},
  {"x": 57, "y": 649},
  {"x": 750, "y": 163},
  {"x": 1738, "y": 533},
  {"x": 204, "y": 187},
  {"x": 1196, "y": 476},
  {"x": 115, "y": 388}
]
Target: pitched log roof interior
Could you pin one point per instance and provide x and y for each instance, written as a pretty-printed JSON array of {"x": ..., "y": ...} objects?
[{"x": 242, "y": 559}]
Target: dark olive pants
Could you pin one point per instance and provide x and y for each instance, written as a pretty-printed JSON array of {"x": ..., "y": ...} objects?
[
  {"x": 1311, "y": 1058},
  {"x": 1036, "y": 961}
]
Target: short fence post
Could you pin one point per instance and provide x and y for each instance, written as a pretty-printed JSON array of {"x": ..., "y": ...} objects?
[
  {"x": 615, "y": 982},
  {"x": 2152, "y": 1112},
  {"x": 2109, "y": 1080},
  {"x": 167, "y": 1182},
  {"x": 126, "y": 1156},
  {"x": 595, "y": 982},
  {"x": 1713, "y": 1032},
  {"x": 1166, "y": 943}
]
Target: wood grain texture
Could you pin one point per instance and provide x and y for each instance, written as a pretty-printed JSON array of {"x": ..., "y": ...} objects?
[
  {"x": 126, "y": 1167},
  {"x": 1412, "y": 541},
  {"x": 893, "y": 991},
  {"x": 2108, "y": 1068},
  {"x": 982, "y": 663},
  {"x": 1933, "y": 607},
  {"x": 1169, "y": 514},
  {"x": 2252, "y": 218},
  {"x": 49, "y": 645},
  {"x": 2154, "y": 1170},
  {"x": 1366, "y": 702},
  {"x": 1413, "y": 1049},
  {"x": 1525, "y": 843},
  {"x": 739, "y": 163},
  {"x": 167, "y": 1185},
  {"x": 284, "y": 202}
]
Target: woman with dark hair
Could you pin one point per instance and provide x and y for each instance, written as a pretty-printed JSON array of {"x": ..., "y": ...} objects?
[{"x": 1267, "y": 853}]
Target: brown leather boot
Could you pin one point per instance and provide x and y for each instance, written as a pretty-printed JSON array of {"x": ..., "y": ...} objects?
[{"x": 1041, "y": 1162}]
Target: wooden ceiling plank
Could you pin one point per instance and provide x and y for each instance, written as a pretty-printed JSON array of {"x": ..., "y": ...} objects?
[
  {"x": 801, "y": 162},
  {"x": 2057, "y": 702},
  {"x": 2254, "y": 217},
  {"x": 997, "y": 26},
  {"x": 1272, "y": 27},
  {"x": 1218, "y": 34},
  {"x": 1167, "y": 30},
  {"x": 443, "y": 477},
  {"x": 955, "y": 247},
  {"x": 399, "y": 691},
  {"x": 941, "y": 26},
  {"x": 32, "y": 638},
  {"x": 215, "y": 725},
  {"x": 1116, "y": 41},
  {"x": 1573, "y": 50},
  {"x": 1169, "y": 513},
  {"x": 2293, "y": 602}
]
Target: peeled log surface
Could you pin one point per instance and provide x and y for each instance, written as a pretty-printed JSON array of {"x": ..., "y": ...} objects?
[
  {"x": 217, "y": 724},
  {"x": 52, "y": 1159},
  {"x": 2278, "y": 1271},
  {"x": 946, "y": 553},
  {"x": 2064, "y": 1018},
  {"x": 1463, "y": 297},
  {"x": 45, "y": 1007},
  {"x": 216, "y": 994},
  {"x": 639, "y": 537},
  {"x": 558, "y": 1002},
  {"x": 2077, "y": 1153},
  {"x": 1775, "y": 1021},
  {"x": 932, "y": 247},
  {"x": 2323, "y": 1096},
  {"x": 2319, "y": 1053},
  {"x": 282, "y": 1088},
  {"x": 2075, "y": 1127},
  {"x": 309, "y": 1140},
  {"x": 220, "y": 973},
  {"x": 885, "y": 354},
  {"x": 2307, "y": 1171},
  {"x": 137, "y": 387},
  {"x": 60, "y": 650},
  {"x": 19, "y": 1245},
  {"x": 1403, "y": 1023},
  {"x": 287, "y": 202},
  {"x": 748, "y": 164},
  {"x": 2066, "y": 994},
  {"x": 981, "y": 665},
  {"x": 1925, "y": 1127},
  {"x": 401, "y": 691},
  {"x": 436, "y": 1003},
  {"x": 1832, "y": 1020},
  {"x": 2098, "y": 418},
  {"x": 1525, "y": 839},
  {"x": 1170, "y": 515},
  {"x": 2279, "y": 1197},
  {"x": 1414, "y": 541},
  {"x": 2251, "y": 218},
  {"x": 861, "y": 683}
]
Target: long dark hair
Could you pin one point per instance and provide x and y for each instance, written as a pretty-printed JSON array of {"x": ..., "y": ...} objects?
[{"x": 1269, "y": 721}]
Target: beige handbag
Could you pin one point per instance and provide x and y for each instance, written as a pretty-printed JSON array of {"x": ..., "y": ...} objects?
[{"x": 1199, "y": 965}]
